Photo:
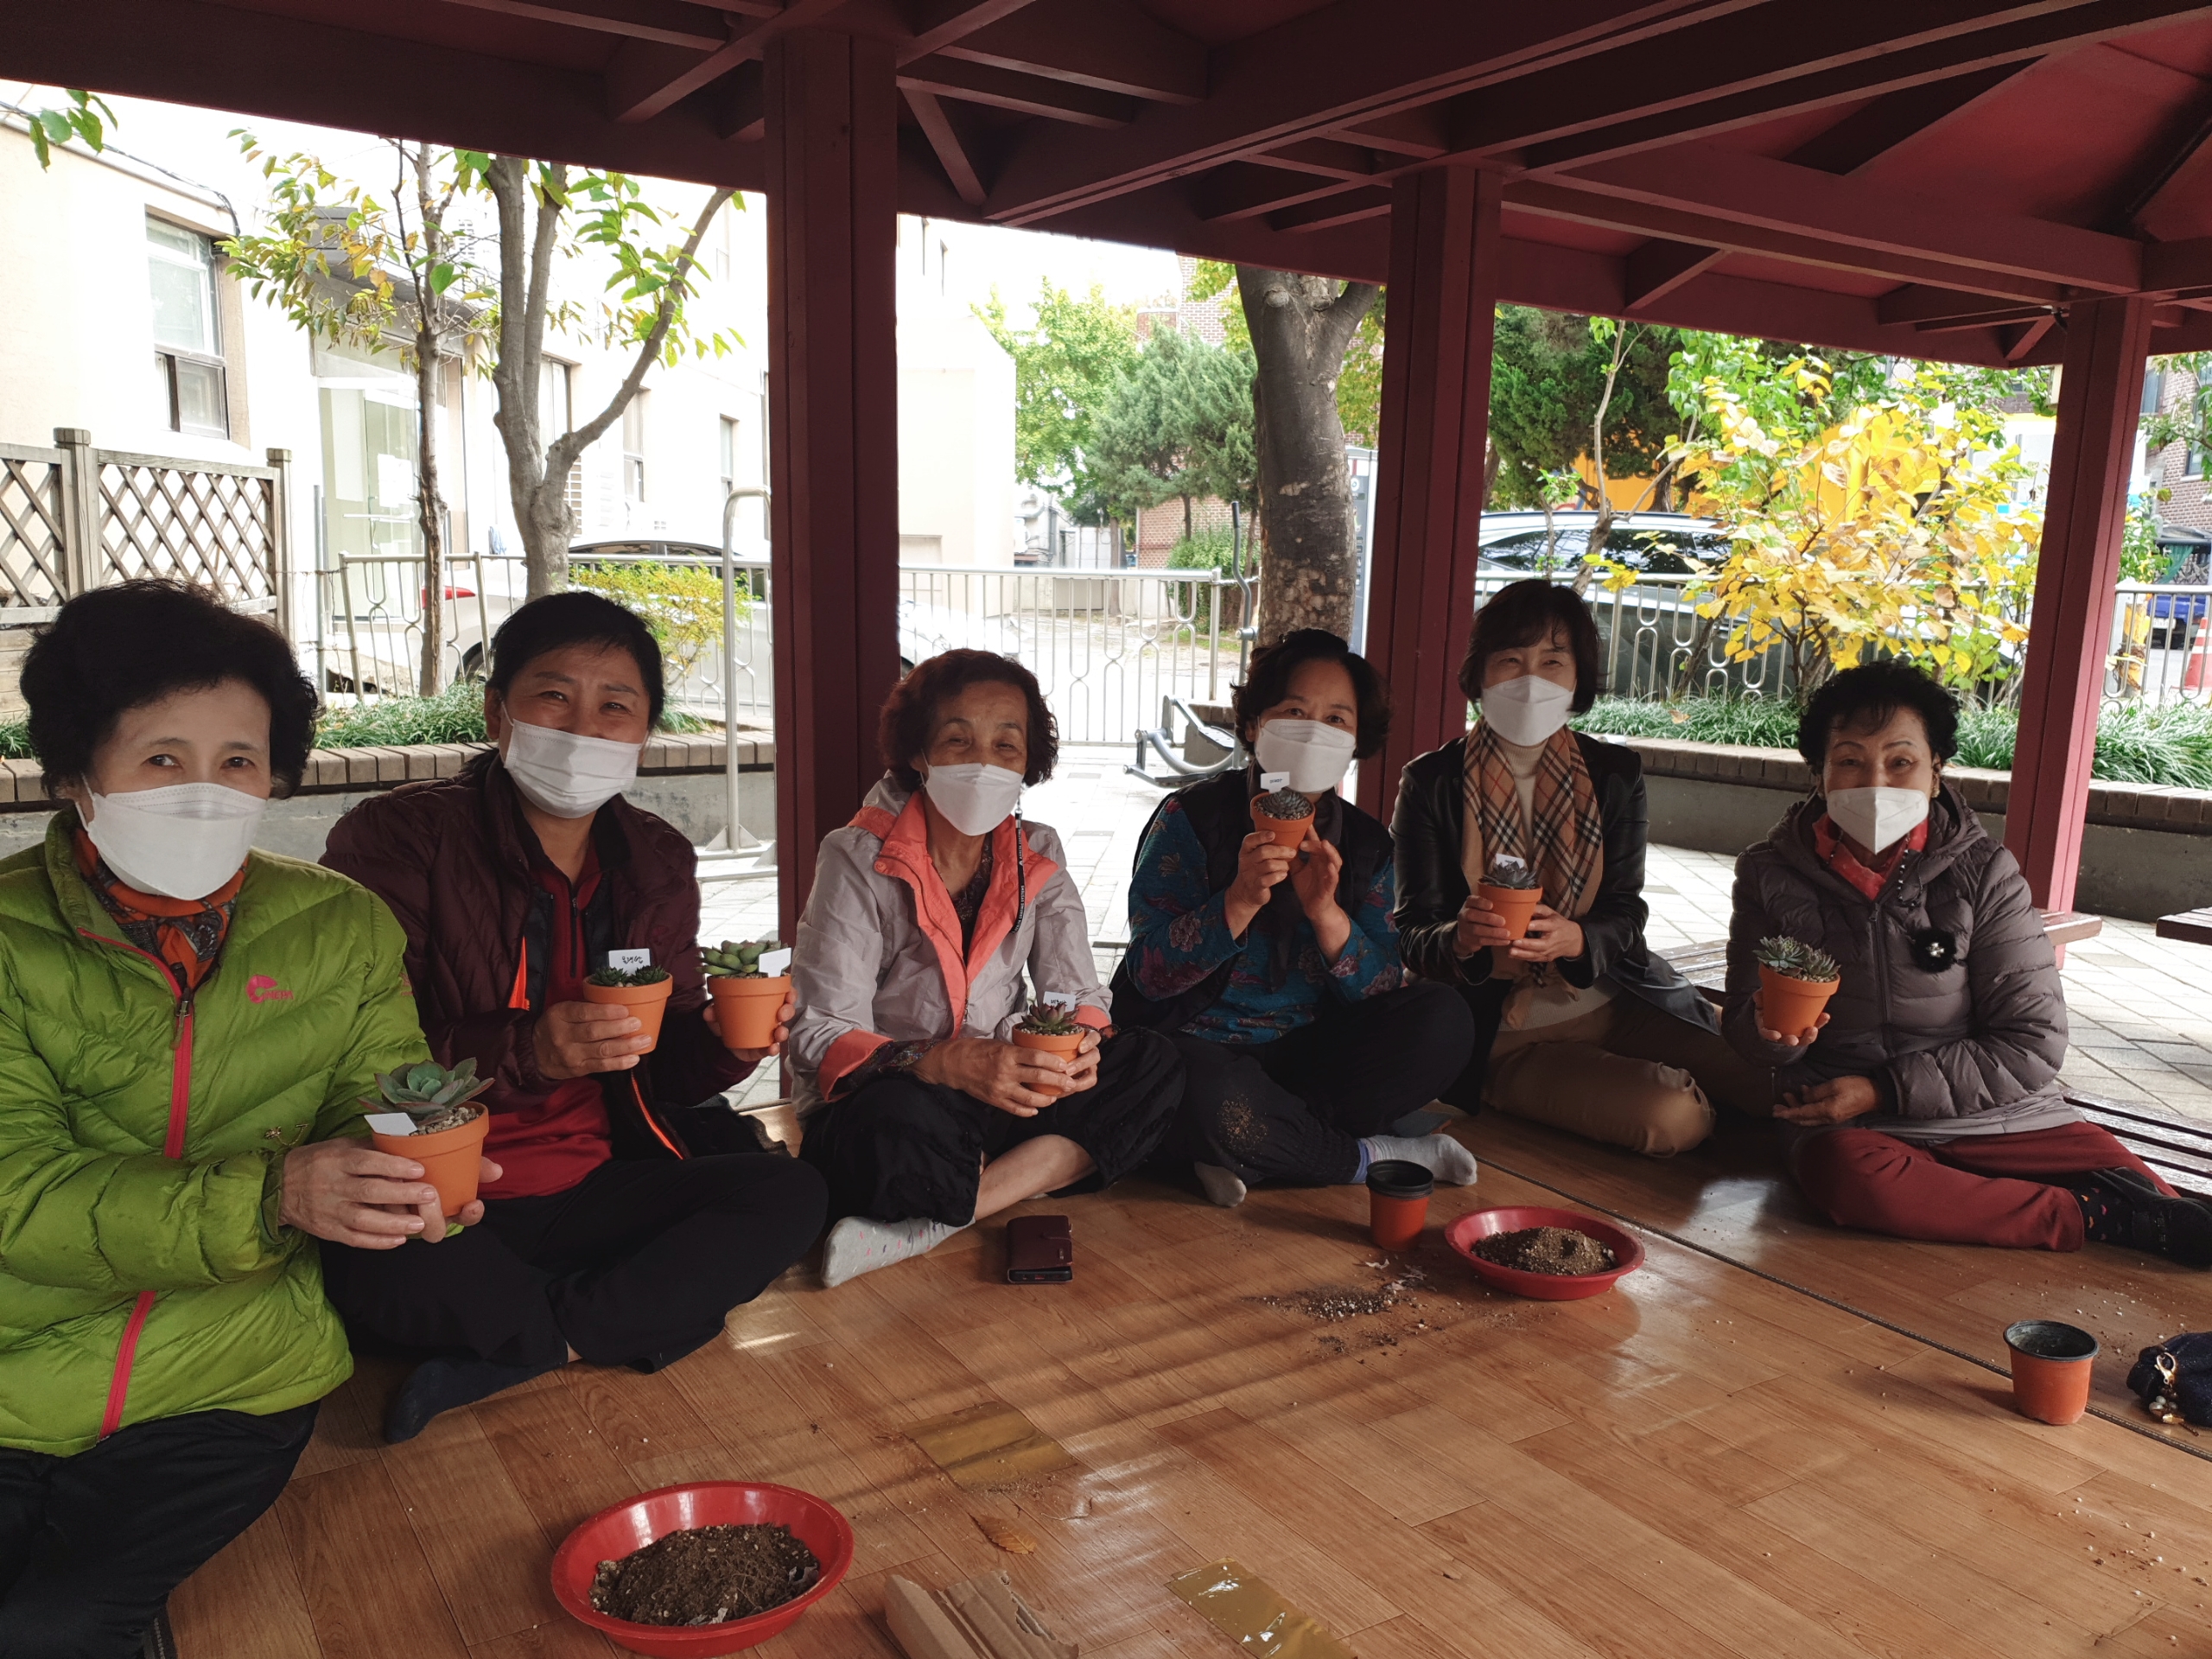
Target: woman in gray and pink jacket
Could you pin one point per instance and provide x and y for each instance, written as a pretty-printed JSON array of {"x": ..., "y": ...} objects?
[{"x": 927, "y": 910}]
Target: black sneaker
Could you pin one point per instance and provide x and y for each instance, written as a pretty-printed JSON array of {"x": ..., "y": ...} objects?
[
  {"x": 444, "y": 1383},
  {"x": 2176, "y": 1228}
]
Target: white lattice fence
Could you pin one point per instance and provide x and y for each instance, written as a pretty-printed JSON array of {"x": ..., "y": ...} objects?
[
  {"x": 196, "y": 521},
  {"x": 34, "y": 559}
]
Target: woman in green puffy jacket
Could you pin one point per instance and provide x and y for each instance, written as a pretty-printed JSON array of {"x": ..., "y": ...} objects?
[{"x": 186, "y": 1032}]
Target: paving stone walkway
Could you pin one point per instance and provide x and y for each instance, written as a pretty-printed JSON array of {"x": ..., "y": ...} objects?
[{"x": 2140, "y": 1006}]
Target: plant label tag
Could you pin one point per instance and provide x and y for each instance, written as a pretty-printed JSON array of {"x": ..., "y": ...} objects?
[
  {"x": 1057, "y": 1000},
  {"x": 773, "y": 962},
  {"x": 1272, "y": 781},
  {"x": 391, "y": 1123},
  {"x": 629, "y": 961}
]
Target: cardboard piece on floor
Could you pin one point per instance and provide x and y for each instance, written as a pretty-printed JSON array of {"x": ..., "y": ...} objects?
[
  {"x": 1243, "y": 1608},
  {"x": 981, "y": 1617},
  {"x": 988, "y": 1445}
]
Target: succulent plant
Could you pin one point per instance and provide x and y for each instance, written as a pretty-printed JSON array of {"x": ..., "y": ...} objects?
[
  {"x": 1287, "y": 802},
  {"x": 1794, "y": 959},
  {"x": 435, "y": 1097},
  {"x": 1047, "y": 1020},
  {"x": 628, "y": 976},
  {"x": 736, "y": 959},
  {"x": 1509, "y": 872}
]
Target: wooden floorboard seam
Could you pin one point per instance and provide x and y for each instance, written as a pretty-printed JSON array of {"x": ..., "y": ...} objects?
[{"x": 2118, "y": 1419}]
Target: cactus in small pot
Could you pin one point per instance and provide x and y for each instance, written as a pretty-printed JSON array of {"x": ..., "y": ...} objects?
[
  {"x": 747, "y": 998},
  {"x": 1285, "y": 814},
  {"x": 1052, "y": 1030},
  {"x": 643, "y": 991},
  {"x": 1795, "y": 982},
  {"x": 449, "y": 1126},
  {"x": 1510, "y": 887}
]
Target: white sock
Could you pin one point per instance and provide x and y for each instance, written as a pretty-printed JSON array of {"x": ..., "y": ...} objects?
[
  {"x": 1223, "y": 1188},
  {"x": 859, "y": 1244},
  {"x": 1440, "y": 1155}
]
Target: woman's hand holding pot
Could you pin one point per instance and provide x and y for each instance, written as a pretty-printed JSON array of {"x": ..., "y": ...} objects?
[
  {"x": 347, "y": 1192},
  {"x": 785, "y": 1015},
  {"x": 1551, "y": 938},
  {"x": 1837, "y": 1101},
  {"x": 1260, "y": 865},
  {"x": 1786, "y": 1039},
  {"x": 1479, "y": 928},
  {"x": 575, "y": 1039},
  {"x": 1021, "y": 1081}
]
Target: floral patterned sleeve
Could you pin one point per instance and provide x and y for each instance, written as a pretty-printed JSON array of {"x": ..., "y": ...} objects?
[
  {"x": 1369, "y": 965},
  {"x": 1179, "y": 927}
]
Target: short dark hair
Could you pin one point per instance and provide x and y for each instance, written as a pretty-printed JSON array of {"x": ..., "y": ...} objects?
[
  {"x": 1273, "y": 667},
  {"x": 1525, "y": 613},
  {"x": 119, "y": 648},
  {"x": 909, "y": 717},
  {"x": 555, "y": 621},
  {"x": 1866, "y": 696}
]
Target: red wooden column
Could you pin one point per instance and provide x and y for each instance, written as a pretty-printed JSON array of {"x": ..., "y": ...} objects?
[
  {"x": 1436, "y": 351},
  {"x": 2077, "y": 574},
  {"x": 833, "y": 430}
]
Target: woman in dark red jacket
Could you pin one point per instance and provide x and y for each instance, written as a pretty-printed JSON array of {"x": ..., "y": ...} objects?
[{"x": 632, "y": 1209}]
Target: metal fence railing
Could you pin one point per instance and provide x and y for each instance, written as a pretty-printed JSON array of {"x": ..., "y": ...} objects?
[{"x": 1655, "y": 644}]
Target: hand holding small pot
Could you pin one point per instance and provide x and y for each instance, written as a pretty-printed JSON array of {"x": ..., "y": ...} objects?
[
  {"x": 1019, "y": 1081},
  {"x": 1261, "y": 862}
]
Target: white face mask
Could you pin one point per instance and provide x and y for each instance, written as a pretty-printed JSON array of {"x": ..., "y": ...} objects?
[
  {"x": 565, "y": 774},
  {"x": 974, "y": 798},
  {"x": 1527, "y": 711},
  {"x": 182, "y": 842},
  {"x": 1316, "y": 755},
  {"x": 1878, "y": 817}
]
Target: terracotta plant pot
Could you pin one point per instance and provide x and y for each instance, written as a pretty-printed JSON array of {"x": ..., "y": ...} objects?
[
  {"x": 1790, "y": 1005},
  {"x": 1397, "y": 1203},
  {"x": 745, "y": 1007},
  {"x": 451, "y": 1159},
  {"x": 1288, "y": 832},
  {"x": 1515, "y": 907},
  {"x": 647, "y": 1002},
  {"x": 1066, "y": 1048},
  {"x": 2052, "y": 1364}
]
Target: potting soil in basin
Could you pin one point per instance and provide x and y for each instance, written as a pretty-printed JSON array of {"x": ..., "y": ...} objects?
[
  {"x": 706, "y": 1575},
  {"x": 1545, "y": 1249}
]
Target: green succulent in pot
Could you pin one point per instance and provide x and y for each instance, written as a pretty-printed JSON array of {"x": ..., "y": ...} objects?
[
  {"x": 1794, "y": 959},
  {"x": 1048, "y": 1021},
  {"x": 1287, "y": 802},
  {"x": 437, "y": 1097},
  {"x": 1511, "y": 873},
  {"x": 628, "y": 976},
  {"x": 736, "y": 959}
]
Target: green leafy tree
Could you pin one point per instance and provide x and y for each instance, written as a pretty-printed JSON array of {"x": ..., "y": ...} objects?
[
  {"x": 474, "y": 271},
  {"x": 1065, "y": 363},
  {"x": 681, "y": 603},
  {"x": 1177, "y": 424}
]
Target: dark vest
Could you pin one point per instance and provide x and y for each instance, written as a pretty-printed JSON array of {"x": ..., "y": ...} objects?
[{"x": 1219, "y": 810}]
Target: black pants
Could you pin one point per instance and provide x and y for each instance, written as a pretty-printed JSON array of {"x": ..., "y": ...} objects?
[
  {"x": 897, "y": 1149},
  {"x": 636, "y": 1264},
  {"x": 91, "y": 1545},
  {"x": 1294, "y": 1108}
]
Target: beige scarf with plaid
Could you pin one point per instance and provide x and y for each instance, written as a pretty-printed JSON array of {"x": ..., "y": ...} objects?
[{"x": 1562, "y": 840}]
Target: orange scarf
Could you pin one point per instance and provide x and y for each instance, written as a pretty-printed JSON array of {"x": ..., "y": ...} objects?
[{"x": 187, "y": 935}]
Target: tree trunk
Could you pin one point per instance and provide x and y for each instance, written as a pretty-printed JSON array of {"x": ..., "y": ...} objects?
[
  {"x": 1301, "y": 326},
  {"x": 433, "y": 508}
]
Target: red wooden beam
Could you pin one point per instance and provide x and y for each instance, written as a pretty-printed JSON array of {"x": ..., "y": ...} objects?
[
  {"x": 951, "y": 153},
  {"x": 833, "y": 404},
  {"x": 1658, "y": 268},
  {"x": 2077, "y": 573},
  {"x": 1878, "y": 128},
  {"x": 643, "y": 78},
  {"x": 1111, "y": 45},
  {"x": 1009, "y": 89},
  {"x": 1446, "y": 243},
  {"x": 1244, "y": 190},
  {"x": 944, "y": 22},
  {"x": 1765, "y": 195},
  {"x": 671, "y": 22}
]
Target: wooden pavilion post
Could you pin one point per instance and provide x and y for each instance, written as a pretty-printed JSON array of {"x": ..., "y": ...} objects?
[
  {"x": 1444, "y": 241},
  {"x": 833, "y": 425},
  {"x": 2077, "y": 574}
]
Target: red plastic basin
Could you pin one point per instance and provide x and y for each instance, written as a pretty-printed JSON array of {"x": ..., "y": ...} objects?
[
  {"x": 1463, "y": 1234},
  {"x": 630, "y": 1526}
]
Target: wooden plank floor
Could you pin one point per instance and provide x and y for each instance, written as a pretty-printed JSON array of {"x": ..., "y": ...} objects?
[{"x": 1702, "y": 1463}]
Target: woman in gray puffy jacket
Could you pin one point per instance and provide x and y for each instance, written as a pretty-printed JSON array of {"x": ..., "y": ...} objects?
[{"x": 1925, "y": 1102}]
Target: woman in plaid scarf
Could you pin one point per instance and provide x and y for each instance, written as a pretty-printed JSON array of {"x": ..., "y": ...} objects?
[{"x": 1579, "y": 1024}]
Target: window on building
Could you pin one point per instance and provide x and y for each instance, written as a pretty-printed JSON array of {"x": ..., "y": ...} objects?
[
  {"x": 730, "y": 454},
  {"x": 722, "y": 235},
  {"x": 633, "y": 448},
  {"x": 188, "y": 347}
]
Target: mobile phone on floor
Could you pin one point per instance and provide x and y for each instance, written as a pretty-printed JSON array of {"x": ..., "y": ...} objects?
[{"x": 1039, "y": 1250}]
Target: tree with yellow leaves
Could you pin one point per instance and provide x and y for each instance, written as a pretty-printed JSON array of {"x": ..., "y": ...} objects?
[{"x": 1899, "y": 530}]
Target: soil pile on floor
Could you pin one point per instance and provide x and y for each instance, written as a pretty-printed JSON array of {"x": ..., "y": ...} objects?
[
  {"x": 1545, "y": 1249},
  {"x": 705, "y": 1575}
]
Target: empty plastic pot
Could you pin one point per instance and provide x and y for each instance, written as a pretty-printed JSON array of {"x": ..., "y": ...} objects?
[{"x": 2052, "y": 1364}]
